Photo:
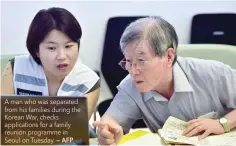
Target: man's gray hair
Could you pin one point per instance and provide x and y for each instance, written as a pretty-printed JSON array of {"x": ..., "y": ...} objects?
[{"x": 158, "y": 32}]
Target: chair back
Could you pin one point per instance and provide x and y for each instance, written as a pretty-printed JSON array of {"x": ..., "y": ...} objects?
[
  {"x": 218, "y": 28},
  {"x": 222, "y": 53},
  {"x": 5, "y": 59},
  {"x": 112, "y": 55}
]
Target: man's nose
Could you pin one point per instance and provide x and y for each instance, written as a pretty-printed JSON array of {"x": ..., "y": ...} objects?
[{"x": 133, "y": 70}]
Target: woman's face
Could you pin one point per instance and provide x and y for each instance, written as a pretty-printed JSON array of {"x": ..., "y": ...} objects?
[{"x": 58, "y": 54}]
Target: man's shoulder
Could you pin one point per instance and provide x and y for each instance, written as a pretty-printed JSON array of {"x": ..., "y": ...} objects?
[
  {"x": 126, "y": 82},
  {"x": 128, "y": 86},
  {"x": 201, "y": 67}
]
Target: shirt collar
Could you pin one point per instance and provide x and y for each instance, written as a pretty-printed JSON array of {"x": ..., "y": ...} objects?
[{"x": 181, "y": 84}]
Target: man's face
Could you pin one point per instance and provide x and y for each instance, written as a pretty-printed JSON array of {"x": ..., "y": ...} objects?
[{"x": 148, "y": 70}]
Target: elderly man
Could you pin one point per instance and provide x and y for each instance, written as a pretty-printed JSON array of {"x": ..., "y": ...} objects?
[{"x": 160, "y": 85}]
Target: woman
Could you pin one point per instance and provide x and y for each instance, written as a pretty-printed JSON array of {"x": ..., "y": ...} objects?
[{"x": 52, "y": 68}]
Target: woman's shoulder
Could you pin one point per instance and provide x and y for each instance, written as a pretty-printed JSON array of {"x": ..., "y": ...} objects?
[
  {"x": 23, "y": 57},
  {"x": 25, "y": 60},
  {"x": 84, "y": 75},
  {"x": 25, "y": 65},
  {"x": 83, "y": 70}
]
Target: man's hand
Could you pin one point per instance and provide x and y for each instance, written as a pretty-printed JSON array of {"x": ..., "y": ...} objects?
[
  {"x": 204, "y": 126},
  {"x": 108, "y": 133}
]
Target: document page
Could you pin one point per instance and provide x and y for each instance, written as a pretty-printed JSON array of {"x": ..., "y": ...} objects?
[
  {"x": 226, "y": 139},
  {"x": 172, "y": 132},
  {"x": 173, "y": 129}
]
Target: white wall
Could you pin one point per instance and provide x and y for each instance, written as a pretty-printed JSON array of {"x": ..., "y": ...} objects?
[{"x": 93, "y": 15}]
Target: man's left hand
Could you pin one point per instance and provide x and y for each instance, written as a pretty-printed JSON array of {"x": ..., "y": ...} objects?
[{"x": 205, "y": 126}]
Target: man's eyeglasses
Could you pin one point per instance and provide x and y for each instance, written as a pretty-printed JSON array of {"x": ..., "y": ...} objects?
[
  {"x": 126, "y": 65},
  {"x": 139, "y": 64}
]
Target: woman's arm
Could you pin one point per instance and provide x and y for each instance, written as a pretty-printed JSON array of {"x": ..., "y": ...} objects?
[
  {"x": 7, "y": 80},
  {"x": 92, "y": 98}
]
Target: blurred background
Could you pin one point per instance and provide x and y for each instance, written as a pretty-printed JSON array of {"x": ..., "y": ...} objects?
[{"x": 93, "y": 17}]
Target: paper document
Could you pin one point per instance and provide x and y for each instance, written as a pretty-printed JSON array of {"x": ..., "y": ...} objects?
[
  {"x": 226, "y": 139},
  {"x": 172, "y": 133}
]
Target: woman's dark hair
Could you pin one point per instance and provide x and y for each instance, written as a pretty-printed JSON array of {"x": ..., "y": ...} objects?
[{"x": 47, "y": 20}]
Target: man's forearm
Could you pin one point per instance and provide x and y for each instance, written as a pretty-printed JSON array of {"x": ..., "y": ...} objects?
[
  {"x": 108, "y": 118},
  {"x": 231, "y": 117}
]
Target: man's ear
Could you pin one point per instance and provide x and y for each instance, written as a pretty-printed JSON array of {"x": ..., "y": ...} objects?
[{"x": 170, "y": 56}]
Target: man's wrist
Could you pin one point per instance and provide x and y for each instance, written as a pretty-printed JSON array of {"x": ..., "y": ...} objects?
[{"x": 225, "y": 124}]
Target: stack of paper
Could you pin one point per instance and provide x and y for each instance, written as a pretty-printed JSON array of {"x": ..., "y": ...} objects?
[
  {"x": 173, "y": 128},
  {"x": 171, "y": 133}
]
